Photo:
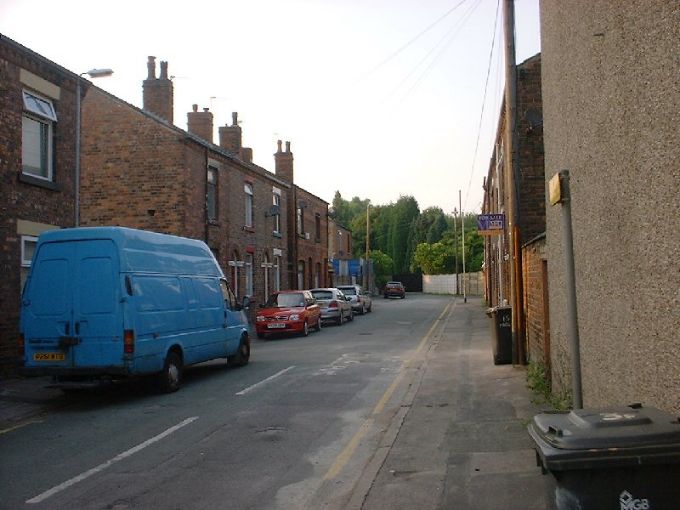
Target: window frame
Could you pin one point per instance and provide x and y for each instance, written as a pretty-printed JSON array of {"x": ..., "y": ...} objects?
[
  {"x": 276, "y": 202},
  {"x": 211, "y": 191},
  {"x": 248, "y": 190}
]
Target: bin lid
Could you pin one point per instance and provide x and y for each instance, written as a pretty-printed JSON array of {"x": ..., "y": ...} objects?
[{"x": 607, "y": 428}]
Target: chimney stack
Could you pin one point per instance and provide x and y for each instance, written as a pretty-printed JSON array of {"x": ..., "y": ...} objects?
[
  {"x": 247, "y": 154},
  {"x": 158, "y": 92},
  {"x": 283, "y": 162},
  {"x": 230, "y": 136},
  {"x": 200, "y": 123}
]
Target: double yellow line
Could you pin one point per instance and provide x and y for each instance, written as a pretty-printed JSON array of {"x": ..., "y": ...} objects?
[{"x": 343, "y": 458}]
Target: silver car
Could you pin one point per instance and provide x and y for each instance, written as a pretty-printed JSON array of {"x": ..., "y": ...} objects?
[
  {"x": 361, "y": 300},
  {"x": 335, "y": 306}
]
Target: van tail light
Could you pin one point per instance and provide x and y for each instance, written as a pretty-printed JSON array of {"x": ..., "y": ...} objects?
[
  {"x": 333, "y": 304},
  {"x": 22, "y": 345},
  {"x": 129, "y": 342}
]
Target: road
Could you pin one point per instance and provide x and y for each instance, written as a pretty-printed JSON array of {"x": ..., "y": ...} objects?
[{"x": 296, "y": 428}]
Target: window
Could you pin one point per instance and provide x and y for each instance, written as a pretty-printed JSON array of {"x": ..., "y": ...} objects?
[
  {"x": 211, "y": 193},
  {"x": 276, "y": 202},
  {"x": 277, "y": 273},
  {"x": 265, "y": 266},
  {"x": 249, "y": 274},
  {"x": 37, "y": 125},
  {"x": 300, "y": 221},
  {"x": 301, "y": 274},
  {"x": 234, "y": 264},
  {"x": 28, "y": 244},
  {"x": 317, "y": 227},
  {"x": 317, "y": 274},
  {"x": 248, "y": 188}
]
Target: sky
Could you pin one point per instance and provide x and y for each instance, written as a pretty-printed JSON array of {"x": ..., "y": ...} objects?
[{"x": 379, "y": 98}]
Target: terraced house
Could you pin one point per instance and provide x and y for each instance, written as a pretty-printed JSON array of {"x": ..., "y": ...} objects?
[
  {"x": 37, "y": 169},
  {"x": 140, "y": 170}
]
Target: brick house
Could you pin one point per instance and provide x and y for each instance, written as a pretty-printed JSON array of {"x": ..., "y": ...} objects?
[
  {"x": 339, "y": 249},
  {"x": 37, "y": 158},
  {"x": 307, "y": 229},
  {"x": 531, "y": 220},
  {"x": 141, "y": 171}
]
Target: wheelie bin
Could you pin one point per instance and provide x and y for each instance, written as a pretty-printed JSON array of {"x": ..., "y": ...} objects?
[
  {"x": 618, "y": 458},
  {"x": 501, "y": 342}
]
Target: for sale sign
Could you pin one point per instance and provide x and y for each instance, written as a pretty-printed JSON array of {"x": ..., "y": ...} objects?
[{"x": 490, "y": 224}]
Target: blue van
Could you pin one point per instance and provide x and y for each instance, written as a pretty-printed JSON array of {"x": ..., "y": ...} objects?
[{"x": 104, "y": 303}]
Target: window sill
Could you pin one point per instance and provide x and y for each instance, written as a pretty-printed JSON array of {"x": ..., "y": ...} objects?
[
  {"x": 41, "y": 183},
  {"x": 214, "y": 223},
  {"x": 248, "y": 229},
  {"x": 277, "y": 234}
]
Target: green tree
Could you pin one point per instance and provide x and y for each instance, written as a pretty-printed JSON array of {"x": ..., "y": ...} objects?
[{"x": 383, "y": 267}]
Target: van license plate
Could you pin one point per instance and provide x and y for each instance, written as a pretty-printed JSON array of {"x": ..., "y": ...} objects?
[
  {"x": 49, "y": 356},
  {"x": 276, "y": 325}
]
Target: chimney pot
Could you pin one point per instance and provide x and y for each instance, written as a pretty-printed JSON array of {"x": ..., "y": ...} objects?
[
  {"x": 287, "y": 146},
  {"x": 195, "y": 107},
  {"x": 234, "y": 118},
  {"x": 279, "y": 142},
  {"x": 164, "y": 70},
  {"x": 151, "y": 67},
  {"x": 206, "y": 109}
]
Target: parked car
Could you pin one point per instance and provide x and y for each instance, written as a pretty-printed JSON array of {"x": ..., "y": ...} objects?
[
  {"x": 335, "y": 306},
  {"x": 394, "y": 289},
  {"x": 290, "y": 312},
  {"x": 360, "y": 299},
  {"x": 105, "y": 303}
]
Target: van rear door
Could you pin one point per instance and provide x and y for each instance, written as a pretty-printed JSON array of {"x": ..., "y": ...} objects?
[{"x": 71, "y": 308}]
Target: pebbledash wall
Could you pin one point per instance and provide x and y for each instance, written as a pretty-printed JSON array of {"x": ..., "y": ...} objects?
[{"x": 611, "y": 111}]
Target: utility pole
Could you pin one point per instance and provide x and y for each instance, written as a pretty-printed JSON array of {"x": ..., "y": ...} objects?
[
  {"x": 462, "y": 243},
  {"x": 512, "y": 152},
  {"x": 455, "y": 246}
]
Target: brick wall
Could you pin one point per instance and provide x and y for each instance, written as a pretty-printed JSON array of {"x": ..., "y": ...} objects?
[
  {"x": 23, "y": 200},
  {"x": 312, "y": 246},
  {"x": 534, "y": 272}
]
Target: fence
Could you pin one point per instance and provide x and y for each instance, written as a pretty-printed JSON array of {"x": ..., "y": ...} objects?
[{"x": 446, "y": 284}]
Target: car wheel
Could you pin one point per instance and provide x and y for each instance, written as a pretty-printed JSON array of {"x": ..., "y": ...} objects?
[
  {"x": 370, "y": 308},
  {"x": 261, "y": 335},
  {"x": 170, "y": 379},
  {"x": 305, "y": 329},
  {"x": 242, "y": 356},
  {"x": 351, "y": 316},
  {"x": 341, "y": 319},
  {"x": 318, "y": 324},
  {"x": 362, "y": 311},
  {"x": 385, "y": 296}
]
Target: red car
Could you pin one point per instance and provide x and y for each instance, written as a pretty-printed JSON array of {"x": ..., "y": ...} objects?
[
  {"x": 290, "y": 312},
  {"x": 394, "y": 289}
]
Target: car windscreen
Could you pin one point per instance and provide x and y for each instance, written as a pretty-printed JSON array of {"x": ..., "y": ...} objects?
[
  {"x": 322, "y": 294},
  {"x": 349, "y": 291},
  {"x": 286, "y": 300}
]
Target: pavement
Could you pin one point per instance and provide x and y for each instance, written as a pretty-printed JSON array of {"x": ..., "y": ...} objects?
[{"x": 457, "y": 441}]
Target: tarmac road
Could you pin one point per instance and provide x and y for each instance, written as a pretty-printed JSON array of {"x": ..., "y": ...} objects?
[{"x": 401, "y": 408}]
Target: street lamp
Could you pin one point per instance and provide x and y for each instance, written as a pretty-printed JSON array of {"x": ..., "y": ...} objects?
[{"x": 92, "y": 73}]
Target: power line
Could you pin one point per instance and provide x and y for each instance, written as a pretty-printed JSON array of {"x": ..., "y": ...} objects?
[
  {"x": 481, "y": 116},
  {"x": 402, "y": 48}
]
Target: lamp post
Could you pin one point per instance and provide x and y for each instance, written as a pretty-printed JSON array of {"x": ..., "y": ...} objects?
[
  {"x": 455, "y": 246},
  {"x": 368, "y": 234},
  {"x": 92, "y": 73}
]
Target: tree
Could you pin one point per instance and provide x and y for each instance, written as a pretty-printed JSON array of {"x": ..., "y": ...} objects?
[{"x": 383, "y": 267}]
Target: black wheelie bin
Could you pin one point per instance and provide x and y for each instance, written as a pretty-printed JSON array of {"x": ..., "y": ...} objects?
[
  {"x": 501, "y": 342},
  {"x": 618, "y": 458}
]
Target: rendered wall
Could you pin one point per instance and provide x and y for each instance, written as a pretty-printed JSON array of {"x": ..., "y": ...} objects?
[{"x": 611, "y": 112}]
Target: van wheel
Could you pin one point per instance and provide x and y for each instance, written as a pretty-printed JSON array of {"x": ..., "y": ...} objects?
[
  {"x": 305, "y": 329},
  {"x": 242, "y": 356},
  {"x": 170, "y": 379}
]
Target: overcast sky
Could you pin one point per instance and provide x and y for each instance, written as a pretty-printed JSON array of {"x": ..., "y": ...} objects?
[{"x": 379, "y": 98}]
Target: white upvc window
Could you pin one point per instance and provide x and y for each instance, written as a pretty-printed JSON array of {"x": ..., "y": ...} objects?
[
  {"x": 249, "y": 274},
  {"x": 277, "y": 273},
  {"x": 28, "y": 244},
  {"x": 248, "y": 189},
  {"x": 37, "y": 128},
  {"x": 276, "y": 202}
]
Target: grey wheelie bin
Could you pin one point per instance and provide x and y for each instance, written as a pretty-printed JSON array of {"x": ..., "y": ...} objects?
[
  {"x": 618, "y": 458},
  {"x": 501, "y": 341}
]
